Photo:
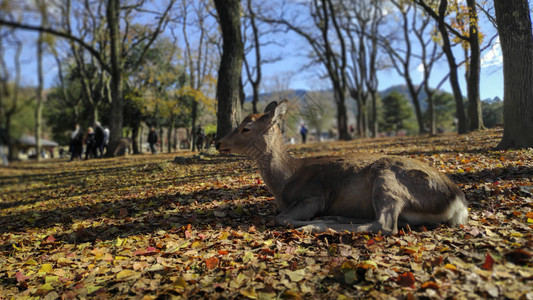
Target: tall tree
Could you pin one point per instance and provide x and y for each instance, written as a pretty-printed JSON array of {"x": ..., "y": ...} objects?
[
  {"x": 439, "y": 15},
  {"x": 254, "y": 42},
  {"x": 117, "y": 105},
  {"x": 396, "y": 112},
  {"x": 255, "y": 81},
  {"x": 41, "y": 7},
  {"x": 117, "y": 52},
  {"x": 229, "y": 75},
  {"x": 475, "y": 117},
  {"x": 414, "y": 47},
  {"x": 10, "y": 91},
  {"x": 329, "y": 50},
  {"x": 198, "y": 33},
  {"x": 362, "y": 20},
  {"x": 516, "y": 38}
]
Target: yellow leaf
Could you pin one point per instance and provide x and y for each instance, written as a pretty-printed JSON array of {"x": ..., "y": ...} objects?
[
  {"x": 224, "y": 235},
  {"x": 297, "y": 275},
  {"x": 46, "y": 287},
  {"x": 180, "y": 283},
  {"x": 51, "y": 279},
  {"x": 46, "y": 268},
  {"x": 529, "y": 220},
  {"x": 31, "y": 262},
  {"x": 93, "y": 288},
  {"x": 450, "y": 267},
  {"x": 368, "y": 264},
  {"x": 119, "y": 242},
  {"x": 249, "y": 293},
  {"x": 125, "y": 273}
]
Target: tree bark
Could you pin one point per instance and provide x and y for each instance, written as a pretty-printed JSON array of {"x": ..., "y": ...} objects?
[
  {"x": 117, "y": 102},
  {"x": 516, "y": 38},
  {"x": 39, "y": 98},
  {"x": 475, "y": 117},
  {"x": 228, "y": 90},
  {"x": 462, "y": 126},
  {"x": 454, "y": 80}
]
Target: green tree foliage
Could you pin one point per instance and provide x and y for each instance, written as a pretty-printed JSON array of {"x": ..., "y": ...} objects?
[
  {"x": 22, "y": 119},
  {"x": 397, "y": 113},
  {"x": 444, "y": 112},
  {"x": 492, "y": 112}
]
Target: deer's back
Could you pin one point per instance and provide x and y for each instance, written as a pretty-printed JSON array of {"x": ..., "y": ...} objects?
[{"x": 340, "y": 180}]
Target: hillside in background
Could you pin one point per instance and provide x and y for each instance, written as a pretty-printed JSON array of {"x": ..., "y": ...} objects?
[{"x": 301, "y": 94}]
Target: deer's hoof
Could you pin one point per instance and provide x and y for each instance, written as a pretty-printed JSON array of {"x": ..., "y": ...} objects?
[{"x": 313, "y": 228}]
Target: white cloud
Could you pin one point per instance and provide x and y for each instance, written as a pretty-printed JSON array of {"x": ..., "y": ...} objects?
[
  {"x": 493, "y": 57},
  {"x": 420, "y": 68}
]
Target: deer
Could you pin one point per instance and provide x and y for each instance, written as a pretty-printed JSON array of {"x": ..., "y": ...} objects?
[{"x": 356, "y": 192}]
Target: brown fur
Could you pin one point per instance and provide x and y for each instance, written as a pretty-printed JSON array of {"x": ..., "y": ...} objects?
[{"x": 356, "y": 192}]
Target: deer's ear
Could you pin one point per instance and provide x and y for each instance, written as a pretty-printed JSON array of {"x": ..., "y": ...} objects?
[
  {"x": 279, "y": 112},
  {"x": 270, "y": 107}
]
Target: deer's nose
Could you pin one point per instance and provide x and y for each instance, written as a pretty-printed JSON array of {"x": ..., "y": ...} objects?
[{"x": 217, "y": 145}]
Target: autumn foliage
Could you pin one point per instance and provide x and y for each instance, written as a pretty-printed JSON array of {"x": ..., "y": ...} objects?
[{"x": 143, "y": 225}]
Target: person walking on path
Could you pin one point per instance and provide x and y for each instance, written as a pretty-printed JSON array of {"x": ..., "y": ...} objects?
[
  {"x": 99, "y": 138},
  {"x": 152, "y": 140},
  {"x": 3, "y": 141},
  {"x": 76, "y": 143},
  {"x": 90, "y": 142},
  {"x": 303, "y": 132}
]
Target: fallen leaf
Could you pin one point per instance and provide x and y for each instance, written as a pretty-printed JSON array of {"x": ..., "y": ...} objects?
[
  {"x": 489, "y": 262},
  {"x": 406, "y": 279},
  {"x": 211, "y": 263},
  {"x": 20, "y": 277}
]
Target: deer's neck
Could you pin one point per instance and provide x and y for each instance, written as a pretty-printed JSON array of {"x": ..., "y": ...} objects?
[{"x": 276, "y": 166}]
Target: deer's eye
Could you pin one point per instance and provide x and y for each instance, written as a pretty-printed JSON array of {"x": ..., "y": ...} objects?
[{"x": 245, "y": 130}]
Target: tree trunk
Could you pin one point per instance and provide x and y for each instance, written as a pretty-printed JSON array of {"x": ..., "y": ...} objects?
[
  {"x": 169, "y": 138},
  {"x": 454, "y": 80},
  {"x": 516, "y": 38},
  {"x": 117, "y": 101},
  {"x": 229, "y": 75},
  {"x": 255, "y": 100},
  {"x": 342, "y": 120},
  {"x": 475, "y": 117},
  {"x": 135, "y": 138},
  {"x": 439, "y": 16},
  {"x": 374, "y": 115},
  {"x": 39, "y": 106},
  {"x": 431, "y": 110},
  {"x": 416, "y": 103},
  {"x": 194, "y": 116}
]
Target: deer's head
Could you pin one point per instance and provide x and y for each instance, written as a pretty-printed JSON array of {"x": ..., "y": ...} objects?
[{"x": 255, "y": 133}]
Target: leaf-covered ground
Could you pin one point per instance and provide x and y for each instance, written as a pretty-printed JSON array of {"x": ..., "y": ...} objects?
[{"x": 144, "y": 226}]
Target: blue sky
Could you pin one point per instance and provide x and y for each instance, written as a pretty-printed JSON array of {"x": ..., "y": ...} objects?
[
  {"x": 293, "y": 52},
  {"x": 491, "y": 82}
]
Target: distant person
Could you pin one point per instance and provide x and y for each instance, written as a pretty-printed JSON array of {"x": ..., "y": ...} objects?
[
  {"x": 3, "y": 141},
  {"x": 90, "y": 144},
  {"x": 152, "y": 140},
  {"x": 303, "y": 133},
  {"x": 76, "y": 143},
  {"x": 106, "y": 138},
  {"x": 200, "y": 138},
  {"x": 99, "y": 138}
]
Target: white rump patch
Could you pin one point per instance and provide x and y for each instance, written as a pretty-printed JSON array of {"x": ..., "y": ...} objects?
[{"x": 457, "y": 213}]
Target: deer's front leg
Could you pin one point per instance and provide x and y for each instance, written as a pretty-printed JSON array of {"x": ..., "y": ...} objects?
[{"x": 301, "y": 212}]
